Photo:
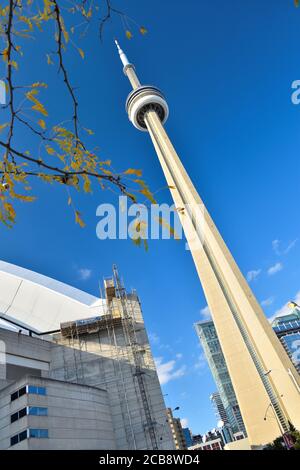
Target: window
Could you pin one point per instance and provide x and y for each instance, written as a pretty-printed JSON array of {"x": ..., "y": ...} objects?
[
  {"x": 18, "y": 415},
  {"x": 18, "y": 394},
  {"x": 23, "y": 435},
  {"x": 14, "y": 440},
  {"x": 30, "y": 410},
  {"x": 36, "y": 390},
  {"x": 14, "y": 417},
  {"x": 37, "y": 411},
  {"x": 38, "y": 433},
  {"x": 18, "y": 438}
]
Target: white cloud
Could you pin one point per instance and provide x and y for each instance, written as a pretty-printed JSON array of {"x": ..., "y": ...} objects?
[
  {"x": 290, "y": 246},
  {"x": 201, "y": 362},
  {"x": 285, "y": 309},
  {"x": 154, "y": 338},
  {"x": 253, "y": 275},
  {"x": 179, "y": 356},
  {"x": 276, "y": 247},
  {"x": 275, "y": 269},
  {"x": 184, "y": 422},
  {"x": 84, "y": 274},
  {"x": 167, "y": 371},
  {"x": 267, "y": 302},
  {"x": 205, "y": 313}
]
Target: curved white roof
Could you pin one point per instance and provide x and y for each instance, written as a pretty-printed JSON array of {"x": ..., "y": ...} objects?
[{"x": 41, "y": 303}]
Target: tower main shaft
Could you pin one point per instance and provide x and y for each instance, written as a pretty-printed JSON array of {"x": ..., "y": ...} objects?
[{"x": 249, "y": 345}]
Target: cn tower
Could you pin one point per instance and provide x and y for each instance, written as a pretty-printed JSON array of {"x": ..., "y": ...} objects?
[{"x": 261, "y": 371}]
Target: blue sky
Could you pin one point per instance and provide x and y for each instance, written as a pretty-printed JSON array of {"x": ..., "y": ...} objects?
[{"x": 226, "y": 69}]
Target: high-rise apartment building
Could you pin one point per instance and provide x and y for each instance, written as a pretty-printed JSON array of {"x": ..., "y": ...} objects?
[
  {"x": 225, "y": 401},
  {"x": 177, "y": 431},
  {"x": 287, "y": 329}
]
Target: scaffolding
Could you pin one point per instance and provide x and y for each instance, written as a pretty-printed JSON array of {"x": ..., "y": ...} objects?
[
  {"x": 119, "y": 313},
  {"x": 129, "y": 328}
]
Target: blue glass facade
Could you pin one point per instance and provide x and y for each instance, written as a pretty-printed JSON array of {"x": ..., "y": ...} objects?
[
  {"x": 213, "y": 352},
  {"x": 287, "y": 328}
]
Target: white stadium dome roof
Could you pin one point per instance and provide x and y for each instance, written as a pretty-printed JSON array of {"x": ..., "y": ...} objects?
[{"x": 40, "y": 303}]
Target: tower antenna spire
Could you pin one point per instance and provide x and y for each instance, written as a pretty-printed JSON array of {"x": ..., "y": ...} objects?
[{"x": 122, "y": 54}]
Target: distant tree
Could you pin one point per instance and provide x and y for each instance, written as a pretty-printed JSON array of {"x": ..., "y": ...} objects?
[
  {"x": 60, "y": 154},
  {"x": 277, "y": 444}
]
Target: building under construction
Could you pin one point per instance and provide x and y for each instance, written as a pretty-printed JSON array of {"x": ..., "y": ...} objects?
[{"x": 76, "y": 371}]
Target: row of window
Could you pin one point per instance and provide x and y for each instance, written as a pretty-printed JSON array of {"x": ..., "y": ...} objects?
[
  {"x": 29, "y": 433},
  {"x": 29, "y": 410},
  {"x": 32, "y": 389}
]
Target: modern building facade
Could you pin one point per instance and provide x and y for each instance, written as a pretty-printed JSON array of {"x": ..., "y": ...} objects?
[
  {"x": 76, "y": 378},
  {"x": 177, "y": 431},
  {"x": 187, "y": 436},
  {"x": 287, "y": 329},
  {"x": 224, "y": 401},
  {"x": 249, "y": 344},
  {"x": 218, "y": 406},
  {"x": 212, "y": 440}
]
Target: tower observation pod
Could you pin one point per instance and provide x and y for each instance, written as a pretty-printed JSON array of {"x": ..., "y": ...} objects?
[{"x": 262, "y": 374}]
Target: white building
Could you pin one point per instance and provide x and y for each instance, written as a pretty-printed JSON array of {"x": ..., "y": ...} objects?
[{"x": 76, "y": 371}]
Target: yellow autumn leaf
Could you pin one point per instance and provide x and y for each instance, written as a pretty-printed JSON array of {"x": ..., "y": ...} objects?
[
  {"x": 164, "y": 223},
  {"x": 79, "y": 220},
  {"x": 89, "y": 131},
  {"x": 143, "y": 30},
  {"x": 50, "y": 150},
  {"x": 5, "y": 54},
  {"x": 128, "y": 34},
  {"x": 106, "y": 172},
  {"x": 87, "y": 184},
  {"x": 81, "y": 52},
  {"x": 42, "y": 124},
  {"x": 148, "y": 195},
  {"x": 133, "y": 171},
  {"x": 39, "y": 85},
  {"x": 13, "y": 63},
  {"x": 3, "y": 126},
  {"x": 49, "y": 60},
  {"x": 40, "y": 109}
]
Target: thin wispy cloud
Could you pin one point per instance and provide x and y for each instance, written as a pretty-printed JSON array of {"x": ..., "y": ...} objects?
[
  {"x": 253, "y": 275},
  {"x": 168, "y": 371},
  {"x": 285, "y": 309},
  {"x": 275, "y": 269},
  {"x": 201, "y": 362},
  {"x": 267, "y": 302},
  {"x": 84, "y": 274},
  {"x": 276, "y": 245},
  {"x": 205, "y": 313},
  {"x": 156, "y": 341}
]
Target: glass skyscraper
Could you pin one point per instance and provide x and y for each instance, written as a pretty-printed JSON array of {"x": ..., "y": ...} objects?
[
  {"x": 287, "y": 328},
  {"x": 215, "y": 358}
]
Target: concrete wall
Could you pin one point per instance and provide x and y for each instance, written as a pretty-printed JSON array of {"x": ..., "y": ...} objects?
[
  {"x": 105, "y": 359},
  {"x": 78, "y": 416}
]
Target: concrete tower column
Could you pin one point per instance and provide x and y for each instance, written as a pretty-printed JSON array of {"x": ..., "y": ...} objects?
[{"x": 249, "y": 345}]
